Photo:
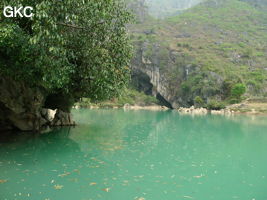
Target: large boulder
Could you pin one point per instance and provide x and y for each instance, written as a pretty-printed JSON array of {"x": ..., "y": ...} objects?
[
  {"x": 62, "y": 119},
  {"x": 21, "y": 108},
  {"x": 19, "y": 105}
]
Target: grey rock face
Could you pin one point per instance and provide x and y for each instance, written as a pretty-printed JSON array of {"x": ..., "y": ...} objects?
[
  {"x": 167, "y": 80},
  {"x": 20, "y": 105},
  {"x": 147, "y": 77},
  {"x": 48, "y": 114},
  {"x": 62, "y": 119},
  {"x": 21, "y": 108}
]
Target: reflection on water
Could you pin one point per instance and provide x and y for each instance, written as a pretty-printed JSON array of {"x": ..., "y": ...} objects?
[{"x": 116, "y": 154}]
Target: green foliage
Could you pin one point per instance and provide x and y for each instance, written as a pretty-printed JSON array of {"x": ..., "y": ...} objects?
[
  {"x": 128, "y": 96},
  {"x": 76, "y": 47},
  {"x": 185, "y": 87},
  {"x": 133, "y": 97},
  {"x": 198, "y": 101},
  {"x": 215, "y": 105},
  {"x": 234, "y": 100},
  {"x": 211, "y": 47},
  {"x": 248, "y": 53},
  {"x": 238, "y": 90}
]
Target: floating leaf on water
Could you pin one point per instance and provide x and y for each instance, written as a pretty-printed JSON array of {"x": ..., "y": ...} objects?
[
  {"x": 58, "y": 187},
  {"x": 106, "y": 189},
  {"x": 3, "y": 181},
  {"x": 65, "y": 174},
  {"x": 201, "y": 175},
  {"x": 188, "y": 197}
]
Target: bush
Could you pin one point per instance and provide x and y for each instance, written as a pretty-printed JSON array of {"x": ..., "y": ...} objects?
[
  {"x": 198, "y": 101},
  {"x": 238, "y": 90},
  {"x": 185, "y": 88},
  {"x": 215, "y": 105}
]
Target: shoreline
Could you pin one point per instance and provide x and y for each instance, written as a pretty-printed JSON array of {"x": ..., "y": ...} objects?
[
  {"x": 127, "y": 107},
  {"x": 230, "y": 110}
]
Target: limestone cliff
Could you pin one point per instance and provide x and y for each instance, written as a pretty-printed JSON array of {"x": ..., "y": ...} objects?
[
  {"x": 164, "y": 76},
  {"x": 21, "y": 107},
  {"x": 203, "y": 53}
]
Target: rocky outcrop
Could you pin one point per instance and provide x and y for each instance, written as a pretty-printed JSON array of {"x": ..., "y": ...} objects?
[
  {"x": 203, "y": 111},
  {"x": 147, "y": 77},
  {"x": 48, "y": 114},
  {"x": 62, "y": 119},
  {"x": 21, "y": 108},
  {"x": 154, "y": 83},
  {"x": 183, "y": 58},
  {"x": 20, "y": 105},
  {"x": 153, "y": 73},
  {"x": 165, "y": 73}
]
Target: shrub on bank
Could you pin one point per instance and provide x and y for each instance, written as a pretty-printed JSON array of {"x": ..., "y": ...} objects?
[
  {"x": 198, "y": 102},
  {"x": 216, "y": 105}
]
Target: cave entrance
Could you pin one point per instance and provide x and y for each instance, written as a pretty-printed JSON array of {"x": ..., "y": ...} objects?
[
  {"x": 163, "y": 101},
  {"x": 141, "y": 82}
]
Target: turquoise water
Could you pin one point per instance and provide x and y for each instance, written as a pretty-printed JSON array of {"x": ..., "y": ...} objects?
[{"x": 142, "y": 155}]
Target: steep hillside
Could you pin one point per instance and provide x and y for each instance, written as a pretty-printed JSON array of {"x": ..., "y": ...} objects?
[{"x": 214, "y": 52}]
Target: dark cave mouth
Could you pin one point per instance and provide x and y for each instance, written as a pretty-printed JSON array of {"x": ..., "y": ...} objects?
[
  {"x": 163, "y": 101},
  {"x": 141, "y": 82}
]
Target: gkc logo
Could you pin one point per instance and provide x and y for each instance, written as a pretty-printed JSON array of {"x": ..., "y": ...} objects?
[{"x": 10, "y": 11}]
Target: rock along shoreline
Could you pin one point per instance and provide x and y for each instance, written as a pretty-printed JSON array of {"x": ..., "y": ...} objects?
[{"x": 182, "y": 110}]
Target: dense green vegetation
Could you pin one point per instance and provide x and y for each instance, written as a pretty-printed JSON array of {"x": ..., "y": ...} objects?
[
  {"x": 71, "y": 50},
  {"x": 128, "y": 96},
  {"x": 215, "y": 50}
]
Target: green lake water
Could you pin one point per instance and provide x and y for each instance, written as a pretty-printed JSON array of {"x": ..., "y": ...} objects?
[{"x": 142, "y": 155}]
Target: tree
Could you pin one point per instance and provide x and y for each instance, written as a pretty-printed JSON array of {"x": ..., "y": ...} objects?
[
  {"x": 69, "y": 48},
  {"x": 198, "y": 102},
  {"x": 238, "y": 90}
]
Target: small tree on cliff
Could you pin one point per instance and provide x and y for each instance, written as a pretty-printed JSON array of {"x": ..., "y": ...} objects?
[
  {"x": 70, "y": 48},
  {"x": 237, "y": 91}
]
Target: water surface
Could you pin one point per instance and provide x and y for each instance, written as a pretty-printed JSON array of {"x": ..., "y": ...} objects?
[{"x": 143, "y": 155}]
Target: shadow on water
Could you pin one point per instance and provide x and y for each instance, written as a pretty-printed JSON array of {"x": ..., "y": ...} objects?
[{"x": 43, "y": 147}]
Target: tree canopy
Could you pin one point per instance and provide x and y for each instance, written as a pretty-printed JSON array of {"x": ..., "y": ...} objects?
[{"x": 79, "y": 47}]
